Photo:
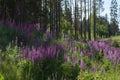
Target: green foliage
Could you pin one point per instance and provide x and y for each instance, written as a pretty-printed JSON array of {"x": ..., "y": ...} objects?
[
  {"x": 50, "y": 15},
  {"x": 115, "y": 43},
  {"x": 87, "y": 61},
  {"x": 42, "y": 69},
  {"x": 8, "y": 67},
  {"x": 1, "y": 77},
  {"x": 51, "y": 67},
  {"x": 12, "y": 67},
  {"x": 70, "y": 71},
  {"x": 67, "y": 28},
  {"x": 102, "y": 30},
  {"x": 90, "y": 76},
  {"x": 27, "y": 70},
  {"x": 98, "y": 56},
  {"x": 8, "y": 71},
  {"x": 107, "y": 64},
  {"x": 113, "y": 29},
  {"x": 39, "y": 35},
  {"x": 8, "y": 34}
]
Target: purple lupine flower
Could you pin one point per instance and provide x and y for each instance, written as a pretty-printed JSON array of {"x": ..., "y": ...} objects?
[
  {"x": 104, "y": 47},
  {"x": 74, "y": 59},
  {"x": 90, "y": 55},
  {"x": 66, "y": 58},
  {"x": 10, "y": 23},
  {"x": 94, "y": 68},
  {"x": 55, "y": 54},
  {"x": 1, "y": 22},
  {"x": 44, "y": 52},
  {"x": 62, "y": 48},
  {"x": 39, "y": 53},
  {"x": 83, "y": 64},
  {"x": 69, "y": 45},
  {"x": 37, "y": 26}
]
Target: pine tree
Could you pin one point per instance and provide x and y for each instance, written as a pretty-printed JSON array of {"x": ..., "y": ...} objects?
[
  {"x": 114, "y": 17},
  {"x": 81, "y": 13},
  {"x": 94, "y": 13}
]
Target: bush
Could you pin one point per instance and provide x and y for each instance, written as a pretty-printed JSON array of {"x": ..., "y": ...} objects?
[
  {"x": 69, "y": 71},
  {"x": 9, "y": 59},
  {"x": 1, "y": 77},
  {"x": 90, "y": 76},
  {"x": 10, "y": 34}
]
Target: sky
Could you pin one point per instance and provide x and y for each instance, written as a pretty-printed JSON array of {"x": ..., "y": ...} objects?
[{"x": 106, "y": 6}]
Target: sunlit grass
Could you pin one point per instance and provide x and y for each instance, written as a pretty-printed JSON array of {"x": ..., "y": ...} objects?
[
  {"x": 112, "y": 75},
  {"x": 115, "y": 38}
]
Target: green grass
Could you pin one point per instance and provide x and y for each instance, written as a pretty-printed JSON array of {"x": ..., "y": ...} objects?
[{"x": 114, "y": 38}]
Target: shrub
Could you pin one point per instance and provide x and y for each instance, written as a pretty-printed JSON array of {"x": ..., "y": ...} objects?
[
  {"x": 9, "y": 59},
  {"x": 90, "y": 76}
]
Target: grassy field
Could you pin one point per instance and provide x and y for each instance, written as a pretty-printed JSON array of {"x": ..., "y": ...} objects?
[{"x": 114, "y": 38}]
